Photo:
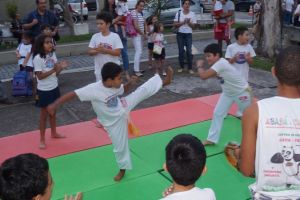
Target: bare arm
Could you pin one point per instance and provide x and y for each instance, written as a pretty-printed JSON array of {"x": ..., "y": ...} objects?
[
  {"x": 248, "y": 145},
  {"x": 26, "y": 59},
  {"x": 58, "y": 67},
  {"x": 205, "y": 74},
  {"x": 30, "y": 25},
  {"x": 100, "y": 49},
  {"x": 67, "y": 97}
]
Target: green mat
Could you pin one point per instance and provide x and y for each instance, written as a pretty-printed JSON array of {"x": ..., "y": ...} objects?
[
  {"x": 227, "y": 183},
  {"x": 151, "y": 148},
  {"x": 91, "y": 171},
  {"x": 88, "y": 170}
]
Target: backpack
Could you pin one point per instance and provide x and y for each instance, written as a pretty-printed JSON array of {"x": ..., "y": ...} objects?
[
  {"x": 130, "y": 29},
  {"x": 21, "y": 84}
]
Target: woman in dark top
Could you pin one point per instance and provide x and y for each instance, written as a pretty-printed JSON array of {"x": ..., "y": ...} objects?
[{"x": 110, "y": 6}]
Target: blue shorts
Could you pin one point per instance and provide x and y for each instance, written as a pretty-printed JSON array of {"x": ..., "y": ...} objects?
[{"x": 47, "y": 97}]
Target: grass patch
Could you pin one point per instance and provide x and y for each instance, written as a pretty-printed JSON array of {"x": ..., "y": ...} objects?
[
  {"x": 75, "y": 38},
  {"x": 235, "y": 25},
  {"x": 262, "y": 63}
]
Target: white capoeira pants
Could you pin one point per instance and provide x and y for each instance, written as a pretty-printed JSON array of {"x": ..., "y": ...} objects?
[
  {"x": 118, "y": 132},
  {"x": 243, "y": 100}
]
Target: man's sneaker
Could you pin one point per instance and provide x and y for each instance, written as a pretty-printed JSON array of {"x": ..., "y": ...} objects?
[
  {"x": 180, "y": 70},
  {"x": 164, "y": 73},
  {"x": 191, "y": 71}
]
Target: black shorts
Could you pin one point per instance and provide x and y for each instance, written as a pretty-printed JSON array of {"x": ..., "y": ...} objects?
[
  {"x": 150, "y": 46},
  {"x": 47, "y": 97},
  {"x": 161, "y": 56}
]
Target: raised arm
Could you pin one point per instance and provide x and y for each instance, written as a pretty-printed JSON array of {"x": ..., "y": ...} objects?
[
  {"x": 205, "y": 74},
  {"x": 67, "y": 97}
]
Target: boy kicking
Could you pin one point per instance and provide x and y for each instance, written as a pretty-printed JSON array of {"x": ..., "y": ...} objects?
[
  {"x": 234, "y": 88},
  {"x": 112, "y": 112}
]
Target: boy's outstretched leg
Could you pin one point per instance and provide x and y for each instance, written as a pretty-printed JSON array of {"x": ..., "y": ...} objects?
[
  {"x": 120, "y": 175},
  {"x": 169, "y": 76}
]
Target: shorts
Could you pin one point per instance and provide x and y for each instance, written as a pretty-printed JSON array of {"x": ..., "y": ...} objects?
[
  {"x": 47, "y": 97},
  {"x": 161, "y": 56},
  {"x": 223, "y": 33},
  {"x": 150, "y": 46}
]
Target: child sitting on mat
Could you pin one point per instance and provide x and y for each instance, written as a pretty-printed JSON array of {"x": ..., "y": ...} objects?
[
  {"x": 112, "y": 112},
  {"x": 185, "y": 161}
]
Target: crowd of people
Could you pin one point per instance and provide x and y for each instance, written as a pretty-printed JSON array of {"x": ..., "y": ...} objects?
[{"x": 270, "y": 133}]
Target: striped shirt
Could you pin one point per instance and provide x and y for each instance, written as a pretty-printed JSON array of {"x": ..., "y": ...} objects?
[{"x": 139, "y": 17}]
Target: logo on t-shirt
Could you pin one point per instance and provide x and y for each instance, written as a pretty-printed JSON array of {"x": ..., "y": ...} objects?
[
  {"x": 241, "y": 58},
  {"x": 113, "y": 102},
  {"x": 106, "y": 45},
  {"x": 49, "y": 63}
]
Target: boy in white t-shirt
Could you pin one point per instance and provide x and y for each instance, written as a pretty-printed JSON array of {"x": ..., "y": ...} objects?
[
  {"x": 112, "y": 112},
  {"x": 270, "y": 145},
  {"x": 104, "y": 46},
  {"x": 234, "y": 88},
  {"x": 240, "y": 54},
  {"x": 185, "y": 161}
]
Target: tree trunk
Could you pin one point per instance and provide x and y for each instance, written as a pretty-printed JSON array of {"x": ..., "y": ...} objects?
[
  {"x": 67, "y": 16},
  {"x": 100, "y": 5},
  {"x": 271, "y": 27}
]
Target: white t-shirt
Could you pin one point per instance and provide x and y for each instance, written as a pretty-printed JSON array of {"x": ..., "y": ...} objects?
[
  {"x": 298, "y": 11},
  {"x": 218, "y": 6},
  {"x": 229, "y": 5},
  {"x": 111, "y": 41},
  {"x": 105, "y": 101},
  {"x": 231, "y": 81},
  {"x": 185, "y": 28},
  {"x": 277, "y": 156},
  {"x": 192, "y": 194},
  {"x": 289, "y": 5},
  {"x": 158, "y": 39},
  {"x": 241, "y": 64},
  {"x": 150, "y": 38},
  {"x": 24, "y": 49},
  {"x": 44, "y": 65}
]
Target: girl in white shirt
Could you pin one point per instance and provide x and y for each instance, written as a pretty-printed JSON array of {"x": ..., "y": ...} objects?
[
  {"x": 46, "y": 69},
  {"x": 159, "y": 53}
]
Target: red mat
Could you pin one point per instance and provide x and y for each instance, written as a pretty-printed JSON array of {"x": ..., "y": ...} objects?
[
  {"x": 85, "y": 135},
  {"x": 212, "y": 101}
]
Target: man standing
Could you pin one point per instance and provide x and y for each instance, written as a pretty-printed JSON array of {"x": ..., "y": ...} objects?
[
  {"x": 226, "y": 19},
  {"x": 39, "y": 17}
]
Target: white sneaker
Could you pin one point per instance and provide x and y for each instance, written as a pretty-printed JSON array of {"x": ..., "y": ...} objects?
[
  {"x": 164, "y": 73},
  {"x": 138, "y": 74},
  {"x": 180, "y": 70},
  {"x": 191, "y": 71}
]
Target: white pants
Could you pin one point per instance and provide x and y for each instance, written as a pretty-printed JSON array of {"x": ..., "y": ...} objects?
[
  {"x": 118, "y": 132},
  {"x": 243, "y": 100},
  {"x": 138, "y": 47},
  {"x": 98, "y": 76}
]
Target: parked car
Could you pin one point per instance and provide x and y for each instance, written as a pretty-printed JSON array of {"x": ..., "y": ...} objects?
[
  {"x": 91, "y": 5},
  {"x": 76, "y": 5},
  {"x": 207, "y": 5},
  {"x": 167, "y": 15},
  {"x": 243, "y": 5}
]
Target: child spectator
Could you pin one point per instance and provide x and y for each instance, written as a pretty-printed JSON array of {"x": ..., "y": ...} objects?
[
  {"x": 105, "y": 46},
  {"x": 47, "y": 30},
  {"x": 46, "y": 69},
  {"x": 150, "y": 21},
  {"x": 185, "y": 161},
  {"x": 217, "y": 12},
  {"x": 240, "y": 54},
  {"x": 112, "y": 112},
  {"x": 159, "y": 52},
  {"x": 234, "y": 88},
  {"x": 23, "y": 53},
  {"x": 122, "y": 11},
  {"x": 27, "y": 176},
  {"x": 271, "y": 135}
]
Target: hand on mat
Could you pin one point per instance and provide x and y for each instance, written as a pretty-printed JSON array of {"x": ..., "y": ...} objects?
[
  {"x": 232, "y": 154},
  {"x": 168, "y": 191},
  {"x": 77, "y": 197}
]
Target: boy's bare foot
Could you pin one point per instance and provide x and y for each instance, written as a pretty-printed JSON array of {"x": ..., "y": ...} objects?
[
  {"x": 58, "y": 136},
  {"x": 120, "y": 175},
  {"x": 42, "y": 145},
  {"x": 208, "y": 143},
  {"x": 169, "y": 76}
]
